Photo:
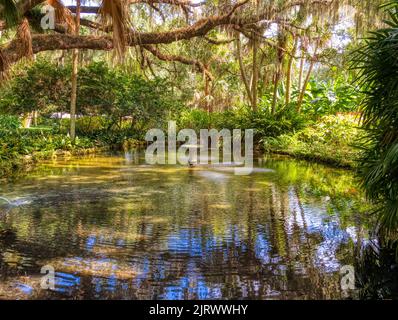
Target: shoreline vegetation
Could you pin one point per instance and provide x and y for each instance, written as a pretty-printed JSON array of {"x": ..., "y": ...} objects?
[
  {"x": 315, "y": 79},
  {"x": 333, "y": 140},
  {"x": 23, "y": 164},
  {"x": 116, "y": 109},
  {"x": 329, "y": 141}
]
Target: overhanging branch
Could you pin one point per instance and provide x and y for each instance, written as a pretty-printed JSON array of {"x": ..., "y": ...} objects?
[
  {"x": 167, "y": 57},
  {"x": 48, "y": 42}
]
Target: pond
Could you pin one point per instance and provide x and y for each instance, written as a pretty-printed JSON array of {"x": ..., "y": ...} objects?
[{"x": 115, "y": 228}]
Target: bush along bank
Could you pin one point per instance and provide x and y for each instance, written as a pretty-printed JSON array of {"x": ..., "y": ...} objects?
[
  {"x": 21, "y": 148},
  {"x": 332, "y": 140},
  {"x": 329, "y": 139},
  {"x": 20, "y": 152}
]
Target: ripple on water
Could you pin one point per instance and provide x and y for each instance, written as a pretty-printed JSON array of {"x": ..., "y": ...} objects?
[
  {"x": 148, "y": 232},
  {"x": 213, "y": 176}
]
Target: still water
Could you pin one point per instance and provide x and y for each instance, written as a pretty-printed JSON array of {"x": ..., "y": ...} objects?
[{"x": 115, "y": 228}]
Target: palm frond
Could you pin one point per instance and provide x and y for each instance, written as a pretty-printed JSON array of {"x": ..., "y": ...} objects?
[
  {"x": 378, "y": 75},
  {"x": 9, "y": 12}
]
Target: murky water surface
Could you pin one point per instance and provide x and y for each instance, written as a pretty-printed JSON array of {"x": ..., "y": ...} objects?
[{"x": 113, "y": 228}]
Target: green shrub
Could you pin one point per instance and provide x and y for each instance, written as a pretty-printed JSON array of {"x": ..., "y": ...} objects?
[
  {"x": 263, "y": 122},
  {"x": 377, "y": 63},
  {"x": 8, "y": 124},
  {"x": 195, "y": 119},
  {"x": 332, "y": 139},
  {"x": 18, "y": 144}
]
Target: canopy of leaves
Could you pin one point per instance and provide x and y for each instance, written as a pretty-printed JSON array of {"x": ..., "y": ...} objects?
[{"x": 114, "y": 93}]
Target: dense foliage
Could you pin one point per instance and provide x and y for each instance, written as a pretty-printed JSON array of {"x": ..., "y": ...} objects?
[
  {"x": 102, "y": 91},
  {"x": 115, "y": 108},
  {"x": 377, "y": 61},
  {"x": 264, "y": 123},
  {"x": 332, "y": 139},
  {"x": 208, "y": 64}
]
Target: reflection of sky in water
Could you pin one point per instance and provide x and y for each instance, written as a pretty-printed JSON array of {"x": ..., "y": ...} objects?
[
  {"x": 195, "y": 240},
  {"x": 262, "y": 248},
  {"x": 185, "y": 242},
  {"x": 91, "y": 240},
  {"x": 24, "y": 288},
  {"x": 319, "y": 221},
  {"x": 65, "y": 282}
]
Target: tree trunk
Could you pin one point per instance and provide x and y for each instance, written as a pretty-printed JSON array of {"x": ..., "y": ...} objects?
[
  {"x": 289, "y": 72},
  {"x": 27, "y": 120},
  {"x": 35, "y": 115},
  {"x": 207, "y": 94},
  {"x": 300, "y": 78},
  {"x": 75, "y": 62},
  {"x": 307, "y": 79},
  {"x": 242, "y": 68},
  {"x": 255, "y": 73},
  {"x": 280, "y": 56},
  {"x": 275, "y": 93}
]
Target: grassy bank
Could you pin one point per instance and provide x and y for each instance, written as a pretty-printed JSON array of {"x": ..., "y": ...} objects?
[
  {"x": 21, "y": 149},
  {"x": 16, "y": 159},
  {"x": 331, "y": 140}
]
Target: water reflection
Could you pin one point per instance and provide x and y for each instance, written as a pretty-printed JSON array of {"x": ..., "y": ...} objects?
[{"x": 113, "y": 228}]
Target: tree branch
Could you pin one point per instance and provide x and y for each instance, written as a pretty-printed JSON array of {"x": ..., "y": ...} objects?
[
  {"x": 181, "y": 3},
  {"x": 218, "y": 42},
  {"x": 165, "y": 57},
  {"x": 48, "y": 42}
]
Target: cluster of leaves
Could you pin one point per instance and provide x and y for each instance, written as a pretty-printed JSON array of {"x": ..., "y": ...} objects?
[
  {"x": 332, "y": 139},
  {"x": 113, "y": 105},
  {"x": 329, "y": 97},
  {"x": 117, "y": 93},
  {"x": 377, "y": 63},
  {"x": 40, "y": 86},
  {"x": 262, "y": 121},
  {"x": 102, "y": 91},
  {"x": 8, "y": 124},
  {"x": 19, "y": 144},
  {"x": 376, "y": 274}
]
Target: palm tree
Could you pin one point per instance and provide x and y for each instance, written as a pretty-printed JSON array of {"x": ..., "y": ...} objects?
[
  {"x": 290, "y": 69},
  {"x": 307, "y": 78},
  {"x": 377, "y": 64}
]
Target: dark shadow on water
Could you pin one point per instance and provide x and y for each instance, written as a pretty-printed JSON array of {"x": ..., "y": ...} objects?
[{"x": 377, "y": 272}]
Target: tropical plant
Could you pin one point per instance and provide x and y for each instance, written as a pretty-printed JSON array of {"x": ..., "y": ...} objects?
[
  {"x": 331, "y": 139},
  {"x": 8, "y": 123},
  {"x": 378, "y": 67},
  {"x": 10, "y": 12}
]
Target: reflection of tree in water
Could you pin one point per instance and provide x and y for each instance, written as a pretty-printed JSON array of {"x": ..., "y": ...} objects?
[{"x": 190, "y": 237}]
